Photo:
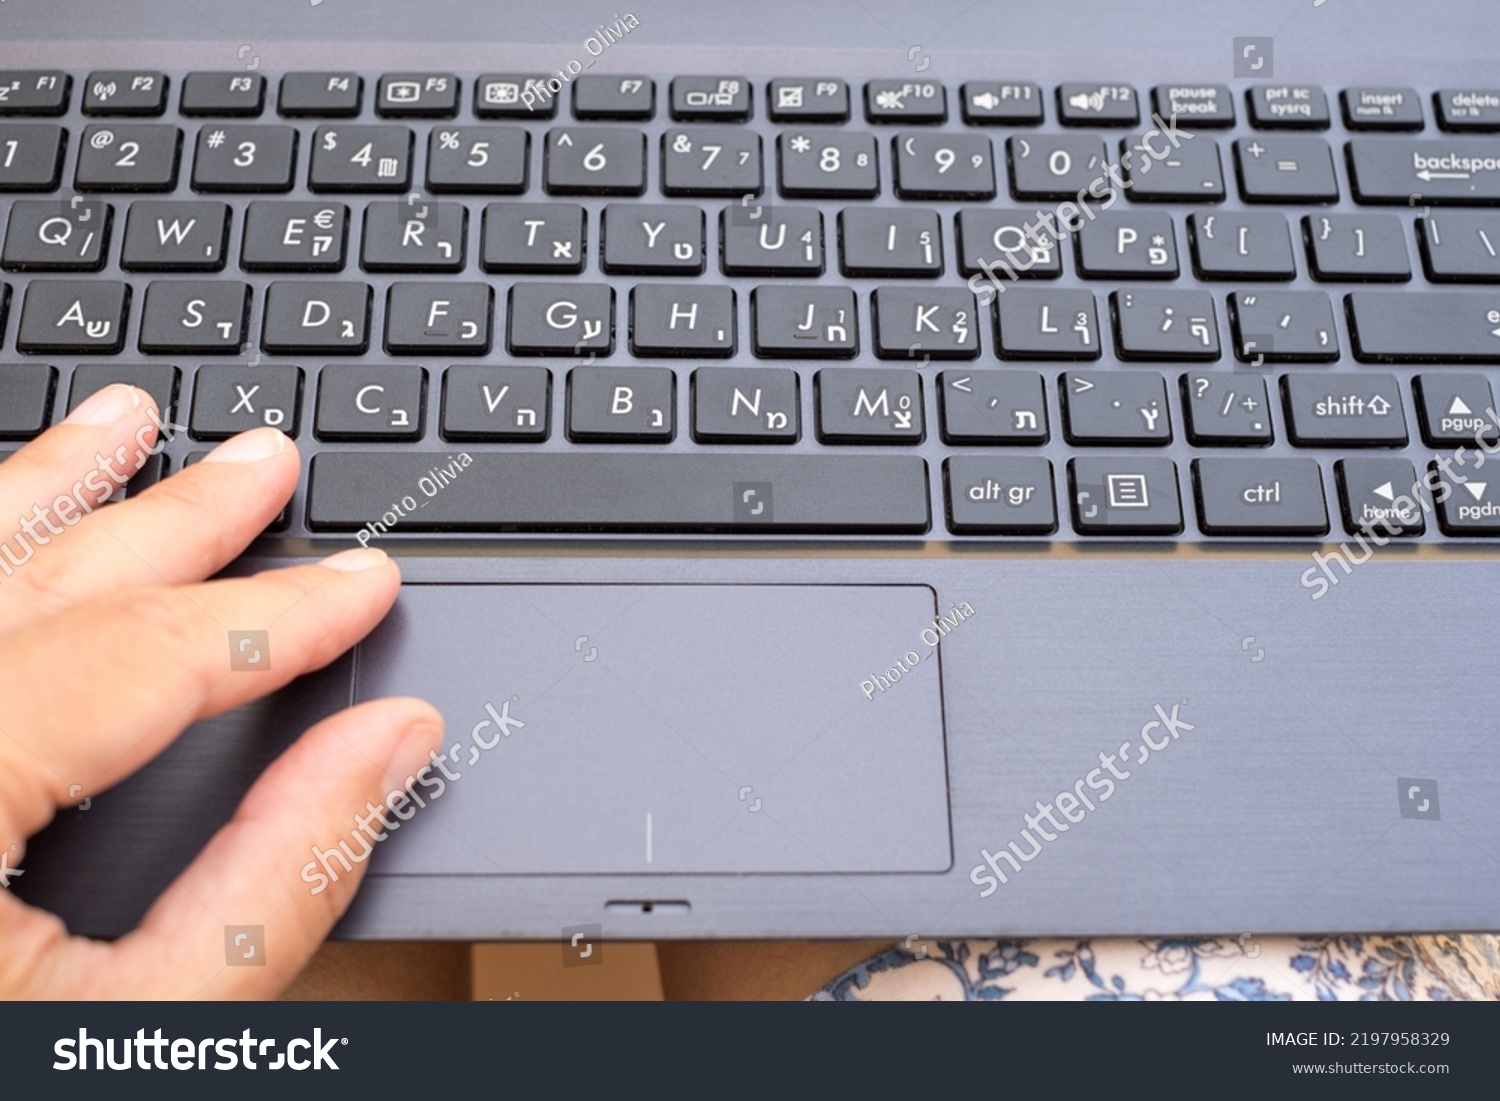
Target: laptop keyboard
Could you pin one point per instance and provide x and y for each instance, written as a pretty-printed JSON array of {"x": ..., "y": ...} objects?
[{"x": 689, "y": 306}]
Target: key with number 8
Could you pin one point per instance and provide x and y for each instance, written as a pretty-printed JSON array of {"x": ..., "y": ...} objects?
[{"x": 828, "y": 162}]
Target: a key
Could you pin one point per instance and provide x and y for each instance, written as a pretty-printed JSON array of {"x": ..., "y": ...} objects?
[
  {"x": 771, "y": 240},
  {"x": 622, "y": 404},
  {"x": 417, "y": 95},
  {"x": 890, "y": 242},
  {"x": 595, "y": 160},
  {"x": 1464, "y": 504},
  {"x": 360, "y": 158},
  {"x": 1128, "y": 244},
  {"x": 1190, "y": 172},
  {"x": 1039, "y": 323},
  {"x": 1424, "y": 326},
  {"x": 820, "y": 100},
  {"x": 1344, "y": 410},
  {"x": 865, "y": 406},
  {"x": 127, "y": 157},
  {"x": 478, "y": 160},
  {"x": 496, "y": 403},
  {"x": 1283, "y": 327},
  {"x": 34, "y": 91},
  {"x": 320, "y": 317},
  {"x": 614, "y": 97},
  {"x": 709, "y": 98},
  {"x": 1370, "y": 108},
  {"x": 1001, "y": 103},
  {"x": 295, "y": 236},
  {"x": 651, "y": 239},
  {"x": 828, "y": 163},
  {"x": 1469, "y": 109},
  {"x": 513, "y": 96},
  {"x": 245, "y": 158},
  {"x": 175, "y": 236},
  {"x": 426, "y": 236},
  {"x": 371, "y": 402},
  {"x": 1226, "y": 409},
  {"x": 746, "y": 405},
  {"x": 320, "y": 95},
  {"x": 31, "y": 156},
  {"x": 1115, "y": 407},
  {"x": 918, "y": 323},
  {"x": 533, "y": 237},
  {"x": 1288, "y": 107},
  {"x": 1097, "y": 105},
  {"x": 26, "y": 391},
  {"x": 160, "y": 380},
  {"x": 1453, "y": 407},
  {"x": 991, "y": 239},
  {"x": 1165, "y": 324},
  {"x": 905, "y": 101},
  {"x": 1460, "y": 247},
  {"x": 561, "y": 319},
  {"x": 223, "y": 95},
  {"x": 46, "y": 235},
  {"x": 67, "y": 315},
  {"x": 438, "y": 317},
  {"x": 1125, "y": 496},
  {"x": 1054, "y": 166},
  {"x": 1000, "y": 495},
  {"x": 1199, "y": 106},
  {"x": 1253, "y": 245},
  {"x": 672, "y": 319},
  {"x": 802, "y": 322},
  {"x": 121, "y": 92},
  {"x": 943, "y": 166},
  {"x": 1432, "y": 172},
  {"x": 1361, "y": 247},
  {"x": 198, "y": 316},
  {"x": 1286, "y": 169},
  {"x": 1260, "y": 496},
  {"x": 230, "y": 398},
  {"x": 993, "y": 407},
  {"x": 1379, "y": 494},
  {"x": 711, "y": 160}
]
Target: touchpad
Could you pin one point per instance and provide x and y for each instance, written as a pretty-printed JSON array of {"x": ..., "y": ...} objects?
[{"x": 669, "y": 728}]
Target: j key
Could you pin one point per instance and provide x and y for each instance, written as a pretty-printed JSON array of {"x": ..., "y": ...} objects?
[
  {"x": 996, "y": 103},
  {"x": 990, "y": 239},
  {"x": 1256, "y": 245},
  {"x": 905, "y": 101},
  {"x": 918, "y": 323},
  {"x": 223, "y": 95},
  {"x": 672, "y": 319},
  {"x": 863, "y": 406},
  {"x": 711, "y": 160},
  {"x": 1382, "y": 108},
  {"x": 1453, "y": 407},
  {"x": 514, "y": 96},
  {"x": 804, "y": 322},
  {"x": 48, "y": 235},
  {"x": 1294, "y": 170},
  {"x": 496, "y": 403},
  {"x": 1260, "y": 496},
  {"x": 1288, "y": 107},
  {"x": 1363, "y": 247},
  {"x": 1199, "y": 106},
  {"x": 298, "y": 236},
  {"x": 1133, "y": 244},
  {"x": 1166, "y": 324},
  {"x": 652, "y": 240},
  {"x": 202, "y": 317},
  {"x": 746, "y": 405},
  {"x": 1284, "y": 327},
  {"x": 417, "y": 95},
  {"x": 614, "y": 97},
  {"x": 943, "y": 166},
  {"x": 1344, "y": 409},
  {"x": 371, "y": 402},
  {"x": 595, "y": 160},
  {"x": 157, "y": 379},
  {"x": 561, "y": 319},
  {"x": 1378, "y": 495},
  {"x": 245, "y": 158},
  {"x": 125, "y": 93},
  {"x": 1424, "y": 326},
  {"x": 1055, "y": 166},
  {"x": 1125, "y": 496},
  {"x": 707, "y": 98},
  {"x": 1460, "y": 247},
  {"x": 1115, "y": 407},
  {"x": 128, "y": 157},
  {"x": 771, "y": 240},
  {"x": 1465, "y": 506},
  {"x": 1097, "y": 105},
  {"x": 631, "y": 492},
  {"x": 66, "y": 315},
  {"x": 997, "y": 495},
  {"x": 478, "y": 160},
  {"x": 360, "y": 158},
  {"x": 1047, "y": 324},
  {"x": 34, "y": 92},
  {"x": 230, "y": 398},
  {"x": 175, "y": 236},
  {"x": 993, "y": 407},
  {"x": 31, "y": 156},
  {"x": 326, "y": 318},
  {"x": 1188, "y": 172},
  {"x": 809, "y": 100},
  {"x": 890, "y": 242},
  {"x": 533, "y": 237},
  {"x": 828, "y": 162},
  {"x": 320, "y": 95},
  {"x": 1439, "y": 171},
  {"x": 1473, "y": 109},
  {"x": 622, "y": 404},
  {"x": 438, "y": 317},
  {"x": 1225, "y": 409},
  {"x": 414, "y": 236},
  {"x": 26, "y": 391}
]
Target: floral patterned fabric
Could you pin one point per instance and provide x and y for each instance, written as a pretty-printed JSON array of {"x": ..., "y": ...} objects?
[{"x": 1443, "y": 967}]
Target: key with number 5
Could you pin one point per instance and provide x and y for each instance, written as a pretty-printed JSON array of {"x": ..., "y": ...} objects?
[{"x": 595, "y": 160}]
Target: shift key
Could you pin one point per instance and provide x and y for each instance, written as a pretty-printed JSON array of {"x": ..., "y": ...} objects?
[{"x": 1425, "y": 326}]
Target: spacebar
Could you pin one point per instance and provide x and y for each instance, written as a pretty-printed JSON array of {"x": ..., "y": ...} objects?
[{"x": 543, "y": 491}]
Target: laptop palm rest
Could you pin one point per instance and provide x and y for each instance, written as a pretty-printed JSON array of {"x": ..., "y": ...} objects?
[{"x": 656, "y": 729}]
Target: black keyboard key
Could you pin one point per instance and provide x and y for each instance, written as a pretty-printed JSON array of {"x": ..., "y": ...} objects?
[
  {"x": 125, "y": 93},
  {"x": 711, "y": 160},
  {"x": 1379, "y": 495},
  {"x": 923, "y": 323},
  {"x": 26, "y": 391},
  {"x": 160, "y": 380},
  {"x": 417, "y": 95},
  {"x": 371, "y": 402},
  {"x": 204, "y": 317},
  {"x": 1259, "y": 496},
  {"x": 360, "y": 158},
  {"x": 595, "y": 160},
  {"x": 1288, "y": 107},
  {"x": 997, "y": 239},
  {"x": 1471, "y": 109},
  {"x": 426, "y": 236},
  {"x": 1165, "y": 324},
  {"x": 1283, "y": 327},
  {"x": 223, "y": 95},
  {"x": 1282, "y": 169},
  {"x": 1189, "y": 172},
  {"x": 890, "y": 242},
  {"x": 282, "y": 521},
  {"x": 229, "y": 398},
  {"x": 870, "y": 407},
  {"x": 771, "y": 240},
  {"x": 1465, "y": 505},
  {"x": 804, "y": 322},
  {"x": 1056, "y": 166},
  {"x": 478, "y": 160},
  {"x": 1226, "y": 409},
  {"x": 320, "y": 95},
  {"x": 449, "y": 317},
  {"x": 614, "y": 97},
  {"x": 1254, "y": 245},
  {"x": 1037, "y": 323},
  {"x": 581, "y": 491},
  {"x": 53, "y": 236},
  {"x": 1115, "y": 407},
  {"x": 1453, "y": 407},
  {"x": 1424, "y": 326},
  {"x": 1097, "y": 105},
  {"x": 513, "y": 96},
  {"x": 1197, "y": 106},
  {"x": 1367, "y": 248},
  {"x": 1001, "y": 103},
  {"x": 175, "y": 236},
  {"x": 129, "y": 157},
  {"x": 650, "y": 239},
  {"x": 1124, "y": 496},
  {"x": 829, "y": 163},
  {"x": 67, "y": 315},
  {"x": 905, "y": 101},
  {"x": 1433, "y": 172},
  {"x": 1460, "y": 247},
  {"x": 711, "y": 98},
  {"x": 622, "y": 404},
  {"x": 1369, "y": 108},
  {"x": 819, "y": 100},
  {"x": 746, "y": 405},
  {"x": 4, "y": 307},
  {"x": 295, "y": 236},
  {"x": 1344, "y": 410},
  {"x": 993, "y": 407},
  {"x": 561, "y": 319},
  {"x": 533, "y": 237},
  {"x": 674, "y": 319},
  {"x": 1128, "y": 244},
  {"x": 943, "y": 166},
  {"x": 245, "y": 158},
  {"x": 34, "y": 91},
  {"x": 321, "y": 317},
  {"x": 1000, "y": 495},
  {"x": 31, "y": 156},
  {"x": 496, "y": 403}
]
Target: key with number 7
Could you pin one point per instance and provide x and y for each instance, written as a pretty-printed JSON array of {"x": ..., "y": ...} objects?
[{"x": 711, "y": 160}]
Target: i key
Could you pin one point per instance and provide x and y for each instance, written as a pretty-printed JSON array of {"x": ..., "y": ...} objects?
[{"x": 890, "y": 242}]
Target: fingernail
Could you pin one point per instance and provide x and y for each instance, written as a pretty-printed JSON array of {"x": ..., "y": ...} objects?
[
  {"x": 355, "y": 559},
  {"x": 412, "y": 753},
  {"x": 113, "y": 403},
  {"x": 249, "y": 447}
]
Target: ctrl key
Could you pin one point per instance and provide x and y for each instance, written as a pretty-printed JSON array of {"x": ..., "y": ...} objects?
[{"x": 1000, "y": 496}]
